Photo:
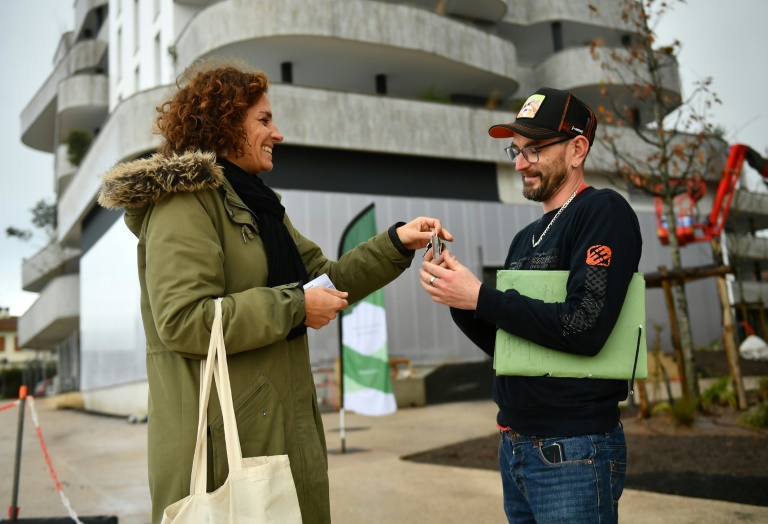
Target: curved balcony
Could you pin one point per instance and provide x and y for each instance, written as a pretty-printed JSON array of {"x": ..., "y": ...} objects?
[
  {"x": 439, "y": 130},
  {"x": 195, "y": 3},
  {"x": 751, "y": 202},
  {"x": 90, "y": 15},
  {"x": 63, "y": 48},
  {"x": 747, "y": 247},
  {"x": 749, "y": 211},
  {"x": 53, "y": 316},
  {"x": 434, "y": 129},
  {"x": 48, "y": 263},
  {"x": 64, "y": 169},
  {"x": 38, "y": 119},
  {"x": 531, "y": 12},
  {"x": 125, "y": 135},
  {"x": 345, "y": 44},
  {"x": 530, "y": 25},
  {"x": 485, "y": 10},
  {"x": 750, "y": 292},
  {"x": 83, "y": 103},
  {"x": 575, "y": 69},
  {"x": 626, "y": 139}
]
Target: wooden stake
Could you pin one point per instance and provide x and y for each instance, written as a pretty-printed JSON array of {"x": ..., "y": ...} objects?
[
  {"x": 674, "y": 330},
  {"x": 729, "y": 339}
]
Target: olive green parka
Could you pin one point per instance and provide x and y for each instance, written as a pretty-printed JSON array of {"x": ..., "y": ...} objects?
[{"x": 198, "y": 241}]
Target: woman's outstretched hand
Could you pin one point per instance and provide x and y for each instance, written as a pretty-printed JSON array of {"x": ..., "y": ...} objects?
[{"x": 417, "y": 233}]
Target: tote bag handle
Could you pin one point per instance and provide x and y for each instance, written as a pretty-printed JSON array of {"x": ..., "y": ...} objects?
[{"x": 215, "y": 364}]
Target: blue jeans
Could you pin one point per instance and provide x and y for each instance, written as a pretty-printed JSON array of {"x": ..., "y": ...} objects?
[{"x": 584, "y": 487}]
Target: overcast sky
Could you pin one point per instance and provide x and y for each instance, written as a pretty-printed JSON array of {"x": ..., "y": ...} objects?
[
  {"x": 29, "y": 33},
  {"x": 730, "y": 49}
]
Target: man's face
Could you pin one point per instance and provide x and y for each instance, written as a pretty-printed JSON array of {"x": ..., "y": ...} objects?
[{"x": 541, "y": 180}]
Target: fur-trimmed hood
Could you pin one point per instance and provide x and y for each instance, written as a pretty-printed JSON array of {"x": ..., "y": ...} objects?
[{"x": 146, "y": 181}]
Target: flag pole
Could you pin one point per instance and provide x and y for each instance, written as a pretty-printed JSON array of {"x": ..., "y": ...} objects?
[{"x": 342, "y": 432}]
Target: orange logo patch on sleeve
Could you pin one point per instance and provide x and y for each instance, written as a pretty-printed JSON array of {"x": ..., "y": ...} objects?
[{"x": 599, "y": 256}]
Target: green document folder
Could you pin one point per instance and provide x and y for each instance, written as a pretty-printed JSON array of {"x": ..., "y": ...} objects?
[{"x": 619, "y": 358}]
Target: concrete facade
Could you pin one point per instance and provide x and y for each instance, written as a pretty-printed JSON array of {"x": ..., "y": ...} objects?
[{"x": 394, "y": 97}]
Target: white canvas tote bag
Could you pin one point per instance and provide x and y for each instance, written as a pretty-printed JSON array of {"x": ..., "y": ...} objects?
[{"x": 258, "y": 489}]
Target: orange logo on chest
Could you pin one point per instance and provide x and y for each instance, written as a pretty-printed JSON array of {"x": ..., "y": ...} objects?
[{"x": 599, "y": 256}]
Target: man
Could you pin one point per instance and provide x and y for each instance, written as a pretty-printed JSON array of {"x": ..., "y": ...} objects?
[{"x": 563, "y": 452}]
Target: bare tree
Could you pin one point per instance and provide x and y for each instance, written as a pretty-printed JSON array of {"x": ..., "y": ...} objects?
[
  {"x": 678, "y": 149},
  {"x": 43, "y": 217}
]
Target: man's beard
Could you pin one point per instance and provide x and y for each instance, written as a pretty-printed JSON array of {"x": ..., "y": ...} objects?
[{"x": 549, "y": 183}]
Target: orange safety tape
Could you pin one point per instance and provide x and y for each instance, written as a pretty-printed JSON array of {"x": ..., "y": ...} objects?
[
  {"x": 9, "y": 405},
  {"x": 64, "y": 499}
]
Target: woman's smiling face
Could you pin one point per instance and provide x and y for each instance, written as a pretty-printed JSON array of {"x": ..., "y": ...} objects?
[{"x": 261, "y": 135}]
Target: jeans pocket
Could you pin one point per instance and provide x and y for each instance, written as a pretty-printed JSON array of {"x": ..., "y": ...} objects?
[
  {"x": 575, "y": 450},
  {"x": 613, "y": 449}
]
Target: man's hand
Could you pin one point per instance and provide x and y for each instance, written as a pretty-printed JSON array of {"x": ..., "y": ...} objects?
[
  {"x": 417, "y": 233},
  {"x": 322, "y": 304},
  {"x": 454, "y": 285}
]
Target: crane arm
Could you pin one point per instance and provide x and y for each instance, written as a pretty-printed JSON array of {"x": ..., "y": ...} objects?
[{"x": 756, "y": 162}]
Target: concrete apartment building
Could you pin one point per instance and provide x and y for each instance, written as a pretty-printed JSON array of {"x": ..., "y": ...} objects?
[{"x": 379, "y": 101}]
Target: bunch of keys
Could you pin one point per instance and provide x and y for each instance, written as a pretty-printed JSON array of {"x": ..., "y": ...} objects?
[{"x": 437, "y": 247}]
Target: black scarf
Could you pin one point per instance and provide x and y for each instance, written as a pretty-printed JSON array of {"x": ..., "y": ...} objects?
[{"x": 284, "y": 261}]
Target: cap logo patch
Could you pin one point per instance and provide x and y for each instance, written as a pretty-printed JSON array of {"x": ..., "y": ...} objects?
[
  {"x": 531, "y": 106},
  {"x": 574, "y": 128},
  {"x": 599, "y": 256}
]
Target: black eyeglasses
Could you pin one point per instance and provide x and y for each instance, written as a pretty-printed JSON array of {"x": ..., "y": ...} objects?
[{"x": 530, "y": 153}]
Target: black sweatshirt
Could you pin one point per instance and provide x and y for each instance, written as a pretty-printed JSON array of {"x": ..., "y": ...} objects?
[{"x": 596, "y": 238}]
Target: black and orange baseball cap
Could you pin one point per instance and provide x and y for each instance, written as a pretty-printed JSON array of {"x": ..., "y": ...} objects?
[{"x": 549, "y": 113}]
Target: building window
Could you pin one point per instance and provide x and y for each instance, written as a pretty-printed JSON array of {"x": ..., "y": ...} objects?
[
  {"x": 119, "y": 52},
  {"x": 158, "y": 60},
  {"x": 135, "y": 25},
  {"x": 2, "y": 343},
  {"x": 16, "y": 343}
]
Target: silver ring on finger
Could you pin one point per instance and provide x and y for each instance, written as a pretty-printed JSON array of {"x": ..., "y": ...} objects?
[{"x": 432, "y": 281}]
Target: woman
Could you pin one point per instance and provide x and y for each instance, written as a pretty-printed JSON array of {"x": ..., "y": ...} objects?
[{"x": 208, "y": 227}]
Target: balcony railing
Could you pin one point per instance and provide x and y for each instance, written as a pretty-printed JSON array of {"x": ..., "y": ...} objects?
[
  {"x": 347, "y": 44},
  {"x": 747, "y": 247},
  {"x": 46, "y": 264},
  {"x": 750, "y": 292},
  {"x": 53, "y": 316},
  {"x": 38, "y": 119}
]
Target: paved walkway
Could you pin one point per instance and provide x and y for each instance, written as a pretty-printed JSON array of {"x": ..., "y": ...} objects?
[{"x": 101, "y": 462}]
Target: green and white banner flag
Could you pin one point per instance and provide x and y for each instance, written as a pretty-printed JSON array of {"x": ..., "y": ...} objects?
[{"x": 365, "y": 361}]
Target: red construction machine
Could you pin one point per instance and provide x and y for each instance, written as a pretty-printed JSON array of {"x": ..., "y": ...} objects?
[{"x": 689, "y": 227}]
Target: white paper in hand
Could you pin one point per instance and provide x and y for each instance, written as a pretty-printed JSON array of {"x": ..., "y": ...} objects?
[{"x": 321, "y": 281}]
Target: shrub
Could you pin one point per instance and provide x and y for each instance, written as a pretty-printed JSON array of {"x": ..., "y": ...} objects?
[
  {"x": 719, "y": 394},
  {"x": 78, "y": 141},
  {"x": 762, "y": 390},
  {"x": 431, "y": 95},
  {"x": 756, "y": 417},
  {"x": 683, "y": 411}
]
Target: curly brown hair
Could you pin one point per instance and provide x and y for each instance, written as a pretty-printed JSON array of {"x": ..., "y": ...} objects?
[{"x": 207, "y": 113}]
